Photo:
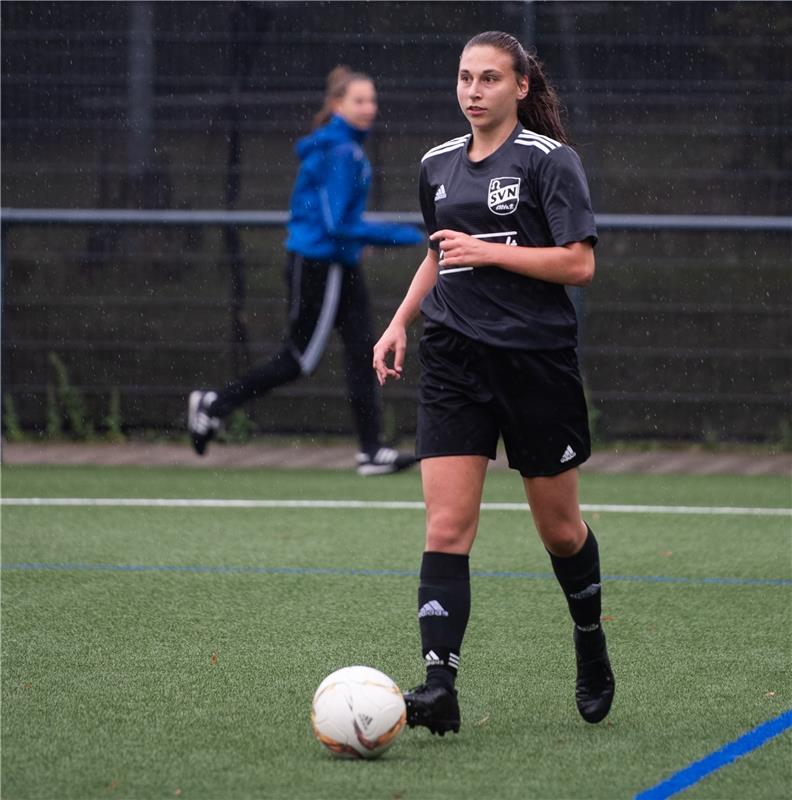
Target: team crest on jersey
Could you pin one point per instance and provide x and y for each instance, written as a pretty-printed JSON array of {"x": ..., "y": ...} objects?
[{"x": 503, "y": 195}]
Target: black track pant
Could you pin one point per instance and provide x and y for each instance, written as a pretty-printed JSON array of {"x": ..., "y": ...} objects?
[{"x": 322, "y": 296}]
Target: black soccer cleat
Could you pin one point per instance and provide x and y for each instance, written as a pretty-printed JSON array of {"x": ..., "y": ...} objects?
[
  {"x": 385, "y": 461},
  {"x": 595, "y": 683},
  {"x": 433, "y": 707},
  {"x": 201, "y": 425}
]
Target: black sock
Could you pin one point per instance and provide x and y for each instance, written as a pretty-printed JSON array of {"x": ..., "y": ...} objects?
[
  {"x": 282, "y": 368},
  {"x": 443, "y": 611},
  {"x": 579, "y": 576}
]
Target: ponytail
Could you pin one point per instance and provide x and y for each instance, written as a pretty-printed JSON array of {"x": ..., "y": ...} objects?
[
  {"x": 337, "y": 83},
  {"x": 540, "y": 110}
]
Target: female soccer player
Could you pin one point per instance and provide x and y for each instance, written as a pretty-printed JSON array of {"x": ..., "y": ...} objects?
[
  {"x": 326, "y": 234},
  {"x": 510, "y": 221}
]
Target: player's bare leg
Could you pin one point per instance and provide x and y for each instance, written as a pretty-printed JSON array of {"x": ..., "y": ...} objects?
[
  {"x": 575, "y": 557},
  {"x": 452, "y": 491}
]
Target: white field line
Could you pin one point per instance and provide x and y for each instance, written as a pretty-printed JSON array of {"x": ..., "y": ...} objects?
[{"x": 401, "y": 505}]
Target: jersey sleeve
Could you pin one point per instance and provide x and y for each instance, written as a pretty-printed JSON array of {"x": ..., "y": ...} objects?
[
  {"x": 342, "y": 197},
  {"x": 564, "y": 195},
  {"x": 426, "y": 199}
]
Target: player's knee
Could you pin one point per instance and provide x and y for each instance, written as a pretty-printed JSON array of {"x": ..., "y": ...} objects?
[
  {"x": 562, "y": 537},
  {"x": 447, "y": 532}
]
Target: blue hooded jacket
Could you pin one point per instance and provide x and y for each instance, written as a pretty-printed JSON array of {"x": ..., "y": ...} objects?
[{"x": 329, "y": 197}]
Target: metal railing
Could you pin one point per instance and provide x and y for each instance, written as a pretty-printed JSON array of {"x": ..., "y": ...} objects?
[{"x": 117, "y": 216}]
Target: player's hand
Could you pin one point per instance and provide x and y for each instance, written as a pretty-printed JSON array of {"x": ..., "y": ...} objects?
[
  {"x": 459, "y": 249},
  {"x": 394, "y": 340}
]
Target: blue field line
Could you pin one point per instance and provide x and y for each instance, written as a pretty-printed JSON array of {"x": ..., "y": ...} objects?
[
  {"x": 208, "y": 569},
  {"x": 399, "y": 573},
  {"x": 699, "y": 770}
]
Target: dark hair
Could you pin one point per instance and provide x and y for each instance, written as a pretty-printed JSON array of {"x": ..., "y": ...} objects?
[
  {"x": 338, "y": 82},
  {"x": 540, "y": 111}
]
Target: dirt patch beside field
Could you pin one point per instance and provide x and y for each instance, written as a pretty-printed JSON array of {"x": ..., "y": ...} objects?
[{"x": 299, "y": 456}]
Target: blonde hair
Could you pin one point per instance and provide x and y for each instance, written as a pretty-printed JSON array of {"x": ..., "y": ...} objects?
[{"x": 336, "y": 86}]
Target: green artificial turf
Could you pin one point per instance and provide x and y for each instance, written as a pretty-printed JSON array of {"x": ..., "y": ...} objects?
[{"x": 173, "y": 652}]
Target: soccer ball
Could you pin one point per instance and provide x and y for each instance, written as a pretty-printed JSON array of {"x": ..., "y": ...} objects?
[{"x": 357, "y": 712}]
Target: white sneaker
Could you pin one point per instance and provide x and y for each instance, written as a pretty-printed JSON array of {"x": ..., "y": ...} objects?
[
  {"x": 385, "y": 461},
  {"x": 201, "y": 425}
]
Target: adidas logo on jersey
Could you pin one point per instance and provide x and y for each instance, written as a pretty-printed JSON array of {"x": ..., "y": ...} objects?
[
  {"x": 440, "y": 194},
  {"x": 569, "y": 454},
  {"x": 432, "y": 609}
]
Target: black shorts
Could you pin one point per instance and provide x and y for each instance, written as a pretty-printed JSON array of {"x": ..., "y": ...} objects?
[{"x": 471, "y": 394}]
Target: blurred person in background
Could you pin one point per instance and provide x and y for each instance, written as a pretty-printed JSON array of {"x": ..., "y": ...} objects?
[
  {"x": 510, "y": 221},
  {"x": 326, "y": 286}
]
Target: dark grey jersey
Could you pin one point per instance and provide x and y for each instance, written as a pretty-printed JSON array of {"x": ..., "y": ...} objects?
[{"x": 531, "y": 192}]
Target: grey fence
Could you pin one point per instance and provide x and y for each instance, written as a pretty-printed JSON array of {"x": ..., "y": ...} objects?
[{"x": 685, "y": 331}]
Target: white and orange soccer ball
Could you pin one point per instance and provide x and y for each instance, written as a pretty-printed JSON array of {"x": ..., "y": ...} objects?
[{"x": 358, "y": 712}]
